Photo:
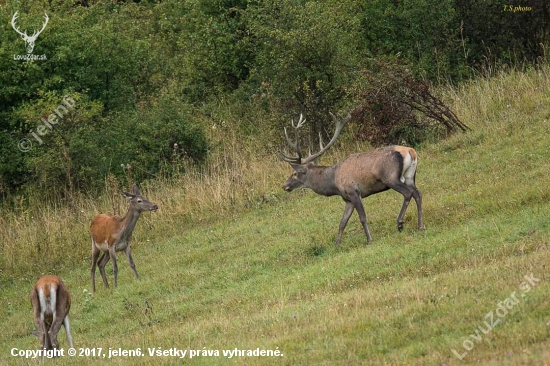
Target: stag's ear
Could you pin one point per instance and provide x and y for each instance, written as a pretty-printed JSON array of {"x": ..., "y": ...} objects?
[
  {"x": 128, "y": 195},
  {"x": 136, "y": 190}
]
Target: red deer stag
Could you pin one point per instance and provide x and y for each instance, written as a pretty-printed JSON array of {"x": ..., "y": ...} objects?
[
  {"x": 357, "y": 177},
  {"x": 111, "y": 234},
  {"x": 51, "y": 302}
]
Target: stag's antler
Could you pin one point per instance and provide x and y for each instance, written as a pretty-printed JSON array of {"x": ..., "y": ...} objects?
[
  {"x": 339, "y": 126},
  {"x": 296, "y": 144}
]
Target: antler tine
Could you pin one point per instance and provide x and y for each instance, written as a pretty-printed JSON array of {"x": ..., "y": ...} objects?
[
  {"x": 339, "y": 126},
  {"x": 289, "y": 159},
  {"x": 296, "y": 128},
  {"x": 300, "y": 123},
  {"x": 289, "y": 141},
  {"x": 294, "y": 144}
]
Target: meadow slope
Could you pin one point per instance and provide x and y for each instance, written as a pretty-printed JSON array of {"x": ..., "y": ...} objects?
[{"x": 268, "y": 276}]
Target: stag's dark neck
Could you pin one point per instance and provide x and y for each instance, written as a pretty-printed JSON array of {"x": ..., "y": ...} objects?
[{"x": 321, "y": 180}]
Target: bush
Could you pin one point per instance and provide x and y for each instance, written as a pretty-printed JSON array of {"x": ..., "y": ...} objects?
[
  {"x": 84, "y": 147},
  {"x": 397, "y": 108}
]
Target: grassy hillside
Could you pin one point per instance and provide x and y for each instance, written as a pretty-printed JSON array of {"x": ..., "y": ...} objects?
[{"x": 266, "y": 275}]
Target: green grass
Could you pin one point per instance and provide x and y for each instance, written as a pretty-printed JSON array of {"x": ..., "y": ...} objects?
[{"x": 268, "y": 275}]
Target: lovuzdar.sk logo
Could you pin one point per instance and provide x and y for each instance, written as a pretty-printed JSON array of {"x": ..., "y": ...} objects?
[{"x": 29, "y": 40}]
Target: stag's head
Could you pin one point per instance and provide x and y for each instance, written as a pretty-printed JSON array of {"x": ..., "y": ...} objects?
[
  {"x": 300, "y": 165},
  {"x": 29, "y": 40},
  {"x": 298, "y": 179}
]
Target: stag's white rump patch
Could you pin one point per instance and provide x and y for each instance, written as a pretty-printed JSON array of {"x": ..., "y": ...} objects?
[{"x": 409, "y": 169}]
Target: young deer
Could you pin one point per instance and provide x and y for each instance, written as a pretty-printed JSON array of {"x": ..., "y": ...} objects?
[
  {"x": 51, "y": 302},
  {"x": 111, "y": 234},
  {"x": 358, "y": 176}
]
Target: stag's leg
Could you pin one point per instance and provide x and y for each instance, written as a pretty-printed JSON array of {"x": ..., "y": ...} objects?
[
  {"x": 408, "y": 193},
  {"x": 68, "y": 330},
  {"x": 95, "y": 255},
  {"x": 112, "y": 254},
  {"x": 347, "y": 213},
  {"x": 418, "y": 199},
  {"x": 102, "y": 262},
  {"x": 406, "y": 200},
  {"x": 358, "y": 204},
  {"x": 410, "y": 182},
  {"x": 131, "y": 260}
]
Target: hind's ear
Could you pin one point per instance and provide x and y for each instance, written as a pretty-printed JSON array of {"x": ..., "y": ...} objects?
[
  {"x": 135, "y": 189},
  {"x": 128, "y": 195}
]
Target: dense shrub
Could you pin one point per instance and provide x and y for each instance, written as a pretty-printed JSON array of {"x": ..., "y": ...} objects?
[
  {"x": 397, "y": 108},
  {"x": 141, "y": 72}
]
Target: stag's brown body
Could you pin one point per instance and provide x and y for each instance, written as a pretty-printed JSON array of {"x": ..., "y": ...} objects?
[
  {"x": 51, "y": 302},
  {"x": 358, "y": 176},
  {"x": 369, "y": 173}
]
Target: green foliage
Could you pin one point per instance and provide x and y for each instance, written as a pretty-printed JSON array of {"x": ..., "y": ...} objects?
[
  {"x": 55, "y": 161},
  {"x": 151, "y": 74},
  {"x": 217, "y": 44},
  {"x": 496, "y": 33},
  {"x": 423, "y": 32},
  {"x": 305, "y": 56},
  {"x": 165, "y": 133},
  {"x": 83, "y": 147},
  {"x": 269, "y": 276},
  {"x": 106, "y": 56}
]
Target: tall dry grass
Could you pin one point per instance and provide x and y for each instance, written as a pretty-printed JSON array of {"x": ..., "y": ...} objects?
[{"x": 50, "y": 233}]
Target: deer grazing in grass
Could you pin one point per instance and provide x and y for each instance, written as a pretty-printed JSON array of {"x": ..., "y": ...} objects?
[
  {"x": 358, "y": 176},
  {"x": 51, "y": 302},
  {"x": 111, "y": 234}
]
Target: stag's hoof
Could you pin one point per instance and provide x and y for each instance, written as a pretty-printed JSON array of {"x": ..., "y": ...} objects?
[{"x": 400, "y": 226}]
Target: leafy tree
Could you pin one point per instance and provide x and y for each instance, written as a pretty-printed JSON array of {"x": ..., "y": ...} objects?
[
  {"x": 496, "y": 32},
  {"x": 305, "y": 56},
  {"x": 216, "y": 46},
  {"x": 423, "y": 32}
]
